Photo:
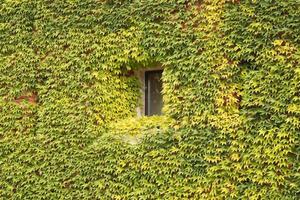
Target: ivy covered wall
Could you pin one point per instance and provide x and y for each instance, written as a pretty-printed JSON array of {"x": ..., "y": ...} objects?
[{"x": 231, "y": 128}]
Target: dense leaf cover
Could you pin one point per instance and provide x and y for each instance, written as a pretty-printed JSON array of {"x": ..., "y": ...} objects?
[{"x": 231, "y": 91}]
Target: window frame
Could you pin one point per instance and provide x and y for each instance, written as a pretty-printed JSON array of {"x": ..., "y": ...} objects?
[{"x": 147, "y": 91}]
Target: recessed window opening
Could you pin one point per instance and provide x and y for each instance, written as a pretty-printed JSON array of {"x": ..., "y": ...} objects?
[{"x": 153, "y": 92}]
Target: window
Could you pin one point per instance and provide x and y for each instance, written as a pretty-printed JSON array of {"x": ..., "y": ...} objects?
[{"x": 153, "y": 93}]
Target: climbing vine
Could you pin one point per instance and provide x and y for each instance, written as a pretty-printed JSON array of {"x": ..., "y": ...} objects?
[{"x": 68, "y": 99}]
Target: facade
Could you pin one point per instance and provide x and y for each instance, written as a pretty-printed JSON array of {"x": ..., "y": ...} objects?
[{"x": 84, "y": 115}]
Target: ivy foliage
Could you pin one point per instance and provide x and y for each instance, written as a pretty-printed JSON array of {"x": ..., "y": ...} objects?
[{"x": 231, "y": 128}]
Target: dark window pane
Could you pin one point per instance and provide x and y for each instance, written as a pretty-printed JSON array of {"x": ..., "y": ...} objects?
[{"x": 153, "y": 100}]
